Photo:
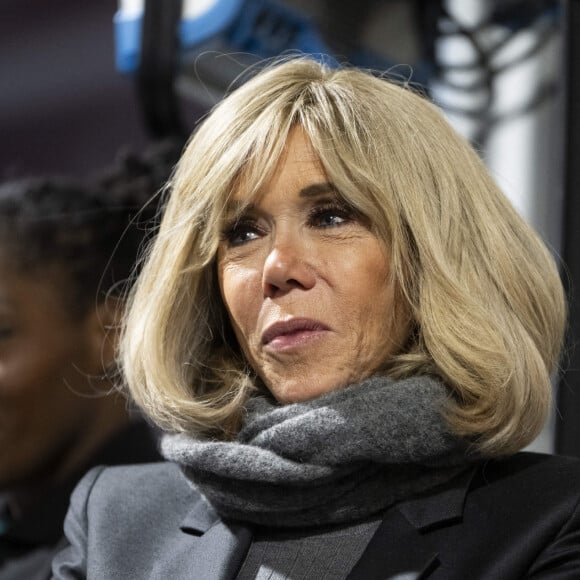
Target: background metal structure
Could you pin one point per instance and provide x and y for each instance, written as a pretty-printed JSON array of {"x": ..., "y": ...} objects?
[{"x": 158, "y": 68}]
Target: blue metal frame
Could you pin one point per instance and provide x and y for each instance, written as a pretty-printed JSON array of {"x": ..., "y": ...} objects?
[{"x": 265, "y": 28}]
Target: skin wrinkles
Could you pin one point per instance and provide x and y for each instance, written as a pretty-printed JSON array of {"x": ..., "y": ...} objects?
[{"x": 299, "y": 252}]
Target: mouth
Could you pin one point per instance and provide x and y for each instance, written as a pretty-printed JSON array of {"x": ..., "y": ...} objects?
[{"x": 293, "y": 333}]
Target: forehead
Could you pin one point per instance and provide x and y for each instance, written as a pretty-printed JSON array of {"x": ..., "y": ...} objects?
[
  {"x": 299, "y": 164},
  {"x": 299, "y": 148}
]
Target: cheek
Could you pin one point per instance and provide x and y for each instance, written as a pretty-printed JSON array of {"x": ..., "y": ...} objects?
[
  {"x": 43, "y": 356},
  {"x": 240, "y": 292},
  {"x": 29, "y": 371},
  {"x": 41, "y": 399},
  {"x": 364, "y": 277},
  {"x": 373, "y": 298},
  {"x": 387, "y": 320}
]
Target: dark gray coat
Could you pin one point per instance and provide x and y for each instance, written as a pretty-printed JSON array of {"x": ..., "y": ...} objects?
[{"x": 510, "y": 519}]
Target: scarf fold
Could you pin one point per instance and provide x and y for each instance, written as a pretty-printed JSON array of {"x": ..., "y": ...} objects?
[{"x": 339, "y": 458}]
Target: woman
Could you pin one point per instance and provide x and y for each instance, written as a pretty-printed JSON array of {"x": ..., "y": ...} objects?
[
  {"x": 348, "y": 334},
  {"x": 66, "y": 248}
]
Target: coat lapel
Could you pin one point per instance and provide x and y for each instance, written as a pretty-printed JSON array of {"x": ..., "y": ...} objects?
[
  {"x": 219, "y": 550},
  {"x": 397, "y": 549},
  {"x": 401, "y": 548}
]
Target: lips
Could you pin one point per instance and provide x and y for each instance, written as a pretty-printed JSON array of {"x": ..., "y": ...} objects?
[{"x": 296, "y": 327}]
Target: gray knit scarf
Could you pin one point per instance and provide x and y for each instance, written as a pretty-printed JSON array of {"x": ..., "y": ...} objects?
[{"x": 341, "y": 457}]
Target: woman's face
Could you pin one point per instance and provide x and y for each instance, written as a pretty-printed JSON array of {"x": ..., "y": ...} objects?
[
  {"x": 306, "y": 283},
  {"x": 45, "y": 358}
]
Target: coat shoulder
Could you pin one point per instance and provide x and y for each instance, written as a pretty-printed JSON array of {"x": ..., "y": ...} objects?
[
  {"x": 135, "y": 493},
  {"x": 121, "y": 519},
  {"x": 145, "y": 477},
  {"x": 537, "y": 471},
  {"x": 511, "y": 518},
  {"x": 522, "y": 518}
]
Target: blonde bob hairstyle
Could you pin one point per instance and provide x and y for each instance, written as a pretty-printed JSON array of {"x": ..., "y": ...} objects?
[{"x": 482, "y": 291}]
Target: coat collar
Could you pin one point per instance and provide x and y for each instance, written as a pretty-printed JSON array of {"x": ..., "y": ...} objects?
[
  {"x": 221, "y": 547},
  {"x": 400, "y": 548},
  {"x": 200, "y": 518},
  {"x": 442, "y": 506}
]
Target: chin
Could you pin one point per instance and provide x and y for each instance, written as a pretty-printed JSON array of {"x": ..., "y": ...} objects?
[{"x": 299, "y": 394}]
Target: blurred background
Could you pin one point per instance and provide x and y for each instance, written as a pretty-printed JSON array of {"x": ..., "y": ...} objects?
[
  {"x": 82, "y": 80},
  {"x": 63, "y": 106}
]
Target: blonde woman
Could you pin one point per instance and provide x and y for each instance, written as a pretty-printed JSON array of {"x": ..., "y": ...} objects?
[{"x": 348, "y": 334}]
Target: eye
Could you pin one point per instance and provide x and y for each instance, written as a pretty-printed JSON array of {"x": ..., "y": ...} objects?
[
  {"x": 330, "y": 215},
  {"x": 241, "y": 232}
]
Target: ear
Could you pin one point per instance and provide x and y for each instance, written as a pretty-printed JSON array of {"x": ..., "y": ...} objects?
[{"x": 104, "y": 327}]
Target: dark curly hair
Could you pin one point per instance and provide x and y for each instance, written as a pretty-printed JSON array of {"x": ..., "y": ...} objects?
[{"x": 88, "y": 232}]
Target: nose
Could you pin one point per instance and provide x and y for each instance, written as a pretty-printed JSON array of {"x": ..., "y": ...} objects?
[{"x": 286, "y": 268}]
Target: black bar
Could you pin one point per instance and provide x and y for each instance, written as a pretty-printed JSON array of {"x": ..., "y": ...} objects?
[
  {"x": 568, "y": 407},
  {"x": 158, "y": 67}
]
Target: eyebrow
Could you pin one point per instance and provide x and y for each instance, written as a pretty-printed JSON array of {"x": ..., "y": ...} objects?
[
  {"x": 233, "y": 206},
  {"x": 317, "y": 189}
]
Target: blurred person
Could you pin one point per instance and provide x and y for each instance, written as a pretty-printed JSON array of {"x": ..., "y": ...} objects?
[
  {"x": 67, "y": 250},
  {"x": 348, "y": 334}
]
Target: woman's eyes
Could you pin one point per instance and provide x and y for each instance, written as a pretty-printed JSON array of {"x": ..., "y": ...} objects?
[
  {"x": 329, "y": 216},
  {"x": 247, "y": 229},
  {"x": 241, "y": 232}
]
